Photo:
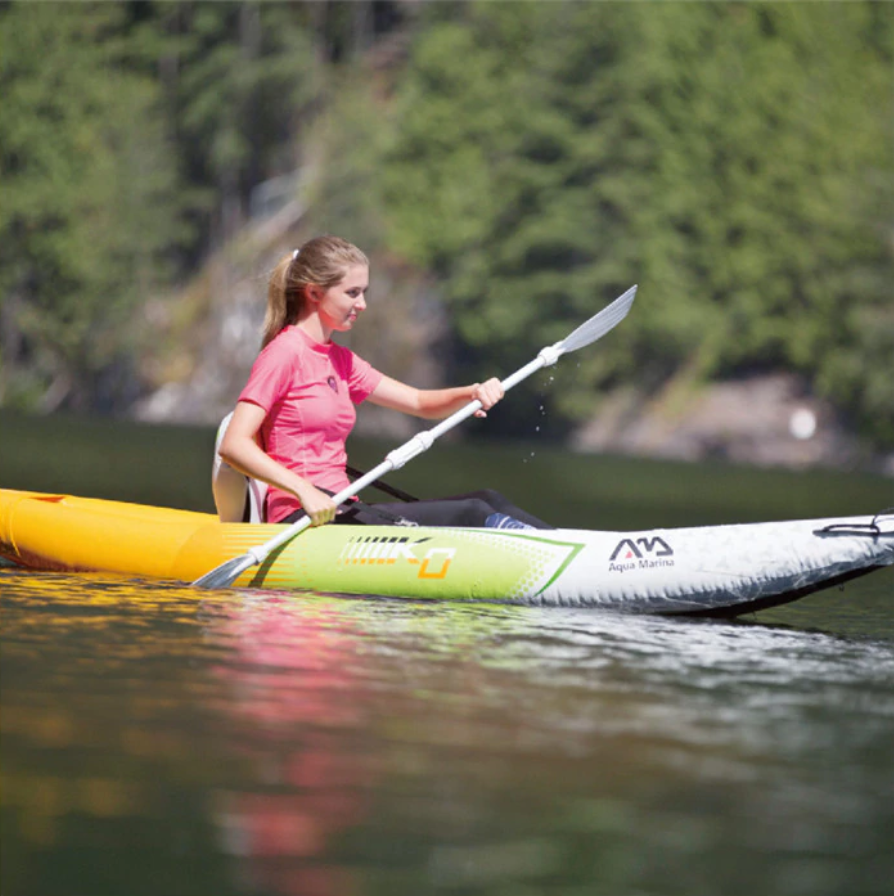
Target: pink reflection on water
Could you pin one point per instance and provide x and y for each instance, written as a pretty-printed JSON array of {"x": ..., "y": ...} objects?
[{"x": 294, "y": 703}]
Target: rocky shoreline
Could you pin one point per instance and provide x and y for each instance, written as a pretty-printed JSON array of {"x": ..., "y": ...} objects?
[{"x": 762, "y": 420}]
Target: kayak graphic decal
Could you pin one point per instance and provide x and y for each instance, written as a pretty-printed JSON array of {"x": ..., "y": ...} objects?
[
  {"x": 388, "y": 550},
  {"x": 440, "y": 559},
  {"x": 379, "y": 549},
  {"x": 656, "y": 545},
  {"x": 640, "y": 553}
]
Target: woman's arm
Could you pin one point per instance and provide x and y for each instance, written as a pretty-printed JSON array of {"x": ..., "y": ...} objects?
[
  {"x": 435, "y": 404},
  {"x": 240, "y": 449}
]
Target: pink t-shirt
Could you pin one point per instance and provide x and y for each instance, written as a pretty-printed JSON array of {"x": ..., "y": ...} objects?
[{"x": 308, "y": 390}]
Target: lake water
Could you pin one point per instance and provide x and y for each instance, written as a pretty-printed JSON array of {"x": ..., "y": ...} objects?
[{"x": 159, "y": 740}]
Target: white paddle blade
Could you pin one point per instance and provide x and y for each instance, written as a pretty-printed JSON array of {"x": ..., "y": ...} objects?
[
  {"x": 224, "y": 575},
  {"x": 598, "y": 325}
]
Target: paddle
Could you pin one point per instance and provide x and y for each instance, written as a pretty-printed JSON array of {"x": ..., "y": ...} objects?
[{"x": 597, "y": 326}]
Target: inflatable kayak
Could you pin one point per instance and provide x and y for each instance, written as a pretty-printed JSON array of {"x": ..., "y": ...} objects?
[{"x": 711, "y": 570}]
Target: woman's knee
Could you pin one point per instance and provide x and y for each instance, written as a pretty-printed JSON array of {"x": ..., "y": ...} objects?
[
  {"x": 474, "y": 511},
  {"x": 490, "y": 497}
]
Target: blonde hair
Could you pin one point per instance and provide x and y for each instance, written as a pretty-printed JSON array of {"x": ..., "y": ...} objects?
[{"x": 322, "y": 261}]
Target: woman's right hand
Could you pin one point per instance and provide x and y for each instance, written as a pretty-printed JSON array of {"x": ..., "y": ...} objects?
[{"x": 316, "y": 504}]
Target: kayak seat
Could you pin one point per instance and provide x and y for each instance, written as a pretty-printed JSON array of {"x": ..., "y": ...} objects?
[{"x": 237, "y": 497}]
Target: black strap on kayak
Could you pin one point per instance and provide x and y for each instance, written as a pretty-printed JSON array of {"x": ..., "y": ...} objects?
[
  {"x": 350, "y": 508},
  {"x": 382, "y": 486},
  {"x": 386, "y": 516}
]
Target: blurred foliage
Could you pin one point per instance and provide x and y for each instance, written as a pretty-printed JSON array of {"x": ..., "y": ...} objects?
[
  {"x": 90, "y": 203},
  {"x": 734, "y": 159},
  {"x": 131, "y": 138},
  {"x": 238, "y": 78}
]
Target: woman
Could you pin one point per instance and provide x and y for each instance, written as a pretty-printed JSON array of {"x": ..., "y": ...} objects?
[{"x": 299, "y": 401}]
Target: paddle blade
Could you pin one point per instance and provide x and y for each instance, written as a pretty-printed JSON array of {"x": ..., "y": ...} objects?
[
  {"x": 224, "y": 575},
  {"x": 598, "y": 325}
]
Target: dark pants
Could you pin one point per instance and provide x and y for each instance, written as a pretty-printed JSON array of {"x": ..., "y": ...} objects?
[{"x": 462, "y": 510}]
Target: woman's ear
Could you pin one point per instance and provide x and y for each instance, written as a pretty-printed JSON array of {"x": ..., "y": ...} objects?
[{"x": 313, "y": 292}]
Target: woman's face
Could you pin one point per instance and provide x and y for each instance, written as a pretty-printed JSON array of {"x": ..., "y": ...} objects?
[{"x": 341, "y": 304}]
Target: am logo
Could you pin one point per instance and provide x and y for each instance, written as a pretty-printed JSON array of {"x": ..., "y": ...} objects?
[{"x": 630, "y": 549}]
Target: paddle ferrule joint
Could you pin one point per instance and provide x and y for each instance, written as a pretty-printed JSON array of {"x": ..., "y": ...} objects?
[
  {"x": 422, "y": 441},
  {"x": 258, "y": 553},
  {"x": 551, "y": 354}
]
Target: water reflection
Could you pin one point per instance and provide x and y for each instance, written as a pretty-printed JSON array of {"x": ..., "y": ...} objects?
[
  {"x": 106, "y": 754},
  {"x": 634, "y": 731},
  {"x": 295, "y": 711},
  {"x": 266, "y": 743}
]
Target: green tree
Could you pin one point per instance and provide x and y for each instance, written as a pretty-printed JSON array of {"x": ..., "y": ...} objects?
[
  {"x": 90, "y": 201},
  {"x": 245, "y": 84},
  {"x": 240, "y": 80},
  {"x": 132, "y": 137}
]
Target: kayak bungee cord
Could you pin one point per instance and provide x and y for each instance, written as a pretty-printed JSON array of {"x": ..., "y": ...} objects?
[
  {"x": 587, "y": 333},
  {"x": 871, "y": 529}
]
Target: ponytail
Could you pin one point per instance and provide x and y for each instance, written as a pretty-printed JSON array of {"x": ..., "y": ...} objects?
[
  {"x": 322, "y": 261},
  {"x": 279, "y": 313}
]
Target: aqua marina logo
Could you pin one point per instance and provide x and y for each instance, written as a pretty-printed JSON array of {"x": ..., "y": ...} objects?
[{"x": 640, "y": 553}]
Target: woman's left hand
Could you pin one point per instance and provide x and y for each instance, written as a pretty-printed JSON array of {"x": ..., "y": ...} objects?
[{"x": 488, "y": 393}]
